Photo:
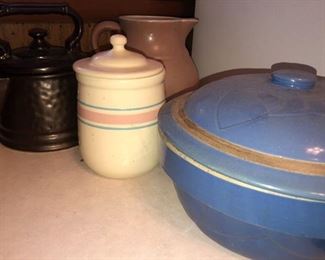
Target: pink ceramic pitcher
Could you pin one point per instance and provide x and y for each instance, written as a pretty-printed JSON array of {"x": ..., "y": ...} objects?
[{"x": 161, "y": 38}]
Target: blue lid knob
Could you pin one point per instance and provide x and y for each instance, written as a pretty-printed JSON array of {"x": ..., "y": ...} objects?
[{"x": 296, "y": 79}]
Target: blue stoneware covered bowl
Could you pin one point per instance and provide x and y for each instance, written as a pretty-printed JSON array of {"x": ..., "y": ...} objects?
[{"x": 247, "y": 157}]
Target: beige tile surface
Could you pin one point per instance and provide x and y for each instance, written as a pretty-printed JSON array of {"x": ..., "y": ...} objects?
[{"x": 53, "y": 207}]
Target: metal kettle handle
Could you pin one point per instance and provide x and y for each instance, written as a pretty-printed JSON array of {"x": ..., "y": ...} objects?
[{"x": 71, "y": 43}]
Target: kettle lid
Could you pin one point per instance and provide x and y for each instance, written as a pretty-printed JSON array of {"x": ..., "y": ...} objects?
[
  {"x": 39, "y": 58},
  {"x": 118, "y": 63}
]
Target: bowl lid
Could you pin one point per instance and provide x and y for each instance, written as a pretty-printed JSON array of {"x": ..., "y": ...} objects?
[
  {"x": 118, "y": 63},
  {"x": 281, "y": 114},
  {"x": 267, "y": 122},
  {"x": 39, "y": 58}
]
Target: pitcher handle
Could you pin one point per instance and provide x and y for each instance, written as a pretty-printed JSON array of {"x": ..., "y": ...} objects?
[{"x": 106, "y": 26}]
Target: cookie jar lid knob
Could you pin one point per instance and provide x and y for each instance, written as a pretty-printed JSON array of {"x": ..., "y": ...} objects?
[{"x": 118, "y": 56}]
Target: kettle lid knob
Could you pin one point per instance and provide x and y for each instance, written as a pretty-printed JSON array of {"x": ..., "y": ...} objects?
[
  {"x": 38, "y": 42},
  {"x": 37, "y": 33}
]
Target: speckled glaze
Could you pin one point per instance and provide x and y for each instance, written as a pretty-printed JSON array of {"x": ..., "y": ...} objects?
[
  {"x": 120, "y": 93},
  {"x": 246, "y": 154}
]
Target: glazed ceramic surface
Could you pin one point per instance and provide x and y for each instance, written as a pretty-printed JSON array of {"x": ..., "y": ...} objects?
[
  {"x": 161, "y": 38},
  {"x": 246, "y": 154},
  {"x": 120, "y": 93}
]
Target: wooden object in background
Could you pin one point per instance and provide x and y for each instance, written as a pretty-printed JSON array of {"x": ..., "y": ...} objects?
[
  {"x": 17, "y": 33},
  {"x": 98, "y": 10},
  {"x": 15, "y": 28}
]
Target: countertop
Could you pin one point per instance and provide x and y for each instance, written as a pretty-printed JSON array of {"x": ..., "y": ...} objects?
[{"x": 52, "y": 207}]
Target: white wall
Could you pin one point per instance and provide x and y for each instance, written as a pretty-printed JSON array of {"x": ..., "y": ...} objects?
[{"x": 257, "y": 33}]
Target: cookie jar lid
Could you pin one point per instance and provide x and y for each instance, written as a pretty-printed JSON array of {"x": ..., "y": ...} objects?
[
  {"x": 118, "y": 63},
  {"x": 264, "y": 129}
]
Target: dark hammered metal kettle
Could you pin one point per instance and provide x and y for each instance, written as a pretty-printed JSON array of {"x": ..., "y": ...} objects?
[{"x": 39, "y": 106}]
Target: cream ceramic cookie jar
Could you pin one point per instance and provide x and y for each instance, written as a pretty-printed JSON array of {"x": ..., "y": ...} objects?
[{"x": 120, "y": 93}]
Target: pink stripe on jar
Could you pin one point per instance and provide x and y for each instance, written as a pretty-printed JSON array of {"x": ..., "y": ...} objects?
[{"x": 102, "y": 118}]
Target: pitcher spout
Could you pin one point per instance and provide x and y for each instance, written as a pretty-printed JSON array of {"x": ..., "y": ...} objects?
[{"x": 187, "y": 25}]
